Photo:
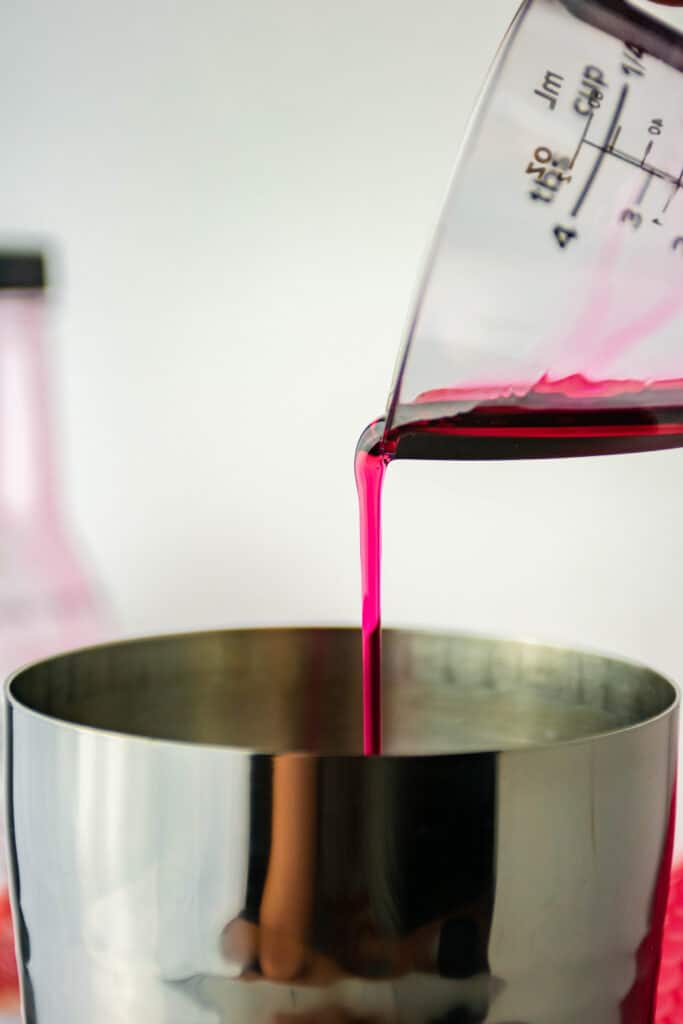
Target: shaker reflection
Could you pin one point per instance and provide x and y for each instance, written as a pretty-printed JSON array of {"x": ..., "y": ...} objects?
[{"x": 397, "y": 880}]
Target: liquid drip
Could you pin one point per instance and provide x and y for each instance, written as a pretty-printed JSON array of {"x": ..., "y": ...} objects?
[{"x": 553, "y": 419}]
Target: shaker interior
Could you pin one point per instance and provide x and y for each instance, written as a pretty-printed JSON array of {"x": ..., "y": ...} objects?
[{"x": 278, "y": 690}]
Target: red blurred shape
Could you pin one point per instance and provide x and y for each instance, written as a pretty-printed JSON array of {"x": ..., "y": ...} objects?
[{"x": 670, "y": 991}]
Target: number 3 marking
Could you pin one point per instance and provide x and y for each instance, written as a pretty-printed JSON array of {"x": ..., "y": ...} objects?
[{"x": 634, "y": 217}]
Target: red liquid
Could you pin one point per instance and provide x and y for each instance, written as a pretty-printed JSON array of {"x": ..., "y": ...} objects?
[
  {"x": 370, "y": 468},
  {"x": 670, "y": 988},
  {"x": 554, "y": 419}
]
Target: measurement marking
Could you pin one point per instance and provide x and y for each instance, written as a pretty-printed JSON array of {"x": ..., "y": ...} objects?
[
  {"x": 643, "y": 191},
  {"x": 671, "y": 197},
  {"x": 601, "y": 155},
  {"x": 616, "y": 135},
  {"x": 677, "y": 186},
  {"x": 587, "y": 125},
  {"x": 656, "y": 172},
  {"x": 648, "y": 150}
]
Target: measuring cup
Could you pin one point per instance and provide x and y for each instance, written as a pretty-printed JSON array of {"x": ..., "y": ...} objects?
[{"x": 555, "y": 278}]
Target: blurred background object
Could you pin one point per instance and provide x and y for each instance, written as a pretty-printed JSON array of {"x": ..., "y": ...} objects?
[
  {"x": 670, "y": 990},
  {"x": 47, "y": 600}
]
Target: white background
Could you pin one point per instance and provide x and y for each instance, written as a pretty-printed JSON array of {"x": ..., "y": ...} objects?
[{"x": 242, "y": 194}]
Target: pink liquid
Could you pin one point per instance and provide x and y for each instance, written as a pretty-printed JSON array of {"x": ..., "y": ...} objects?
[
  {"x": 47, "y": 600},
  {"x": 553, "y": 419},
  {"x": 370, "y": 469}
]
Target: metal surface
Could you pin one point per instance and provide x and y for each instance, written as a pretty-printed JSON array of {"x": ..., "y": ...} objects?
[{"x": 194, "y": 838}]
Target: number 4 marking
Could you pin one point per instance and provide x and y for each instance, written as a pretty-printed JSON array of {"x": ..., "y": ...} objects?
[{"x": 564, "y": 236}]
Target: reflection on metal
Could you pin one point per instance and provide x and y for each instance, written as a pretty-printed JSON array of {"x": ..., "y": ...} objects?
[{"x": 196, "y": 839}]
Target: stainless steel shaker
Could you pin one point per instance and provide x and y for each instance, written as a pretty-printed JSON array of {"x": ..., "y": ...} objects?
[{"x": 194, "y": 837}]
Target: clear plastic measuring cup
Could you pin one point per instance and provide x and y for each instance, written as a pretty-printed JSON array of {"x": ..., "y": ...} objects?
[{"x": 555, "y": 283}]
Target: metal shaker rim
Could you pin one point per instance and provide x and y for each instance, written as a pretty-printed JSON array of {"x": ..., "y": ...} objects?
[{"x": 50, "y": 689}]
